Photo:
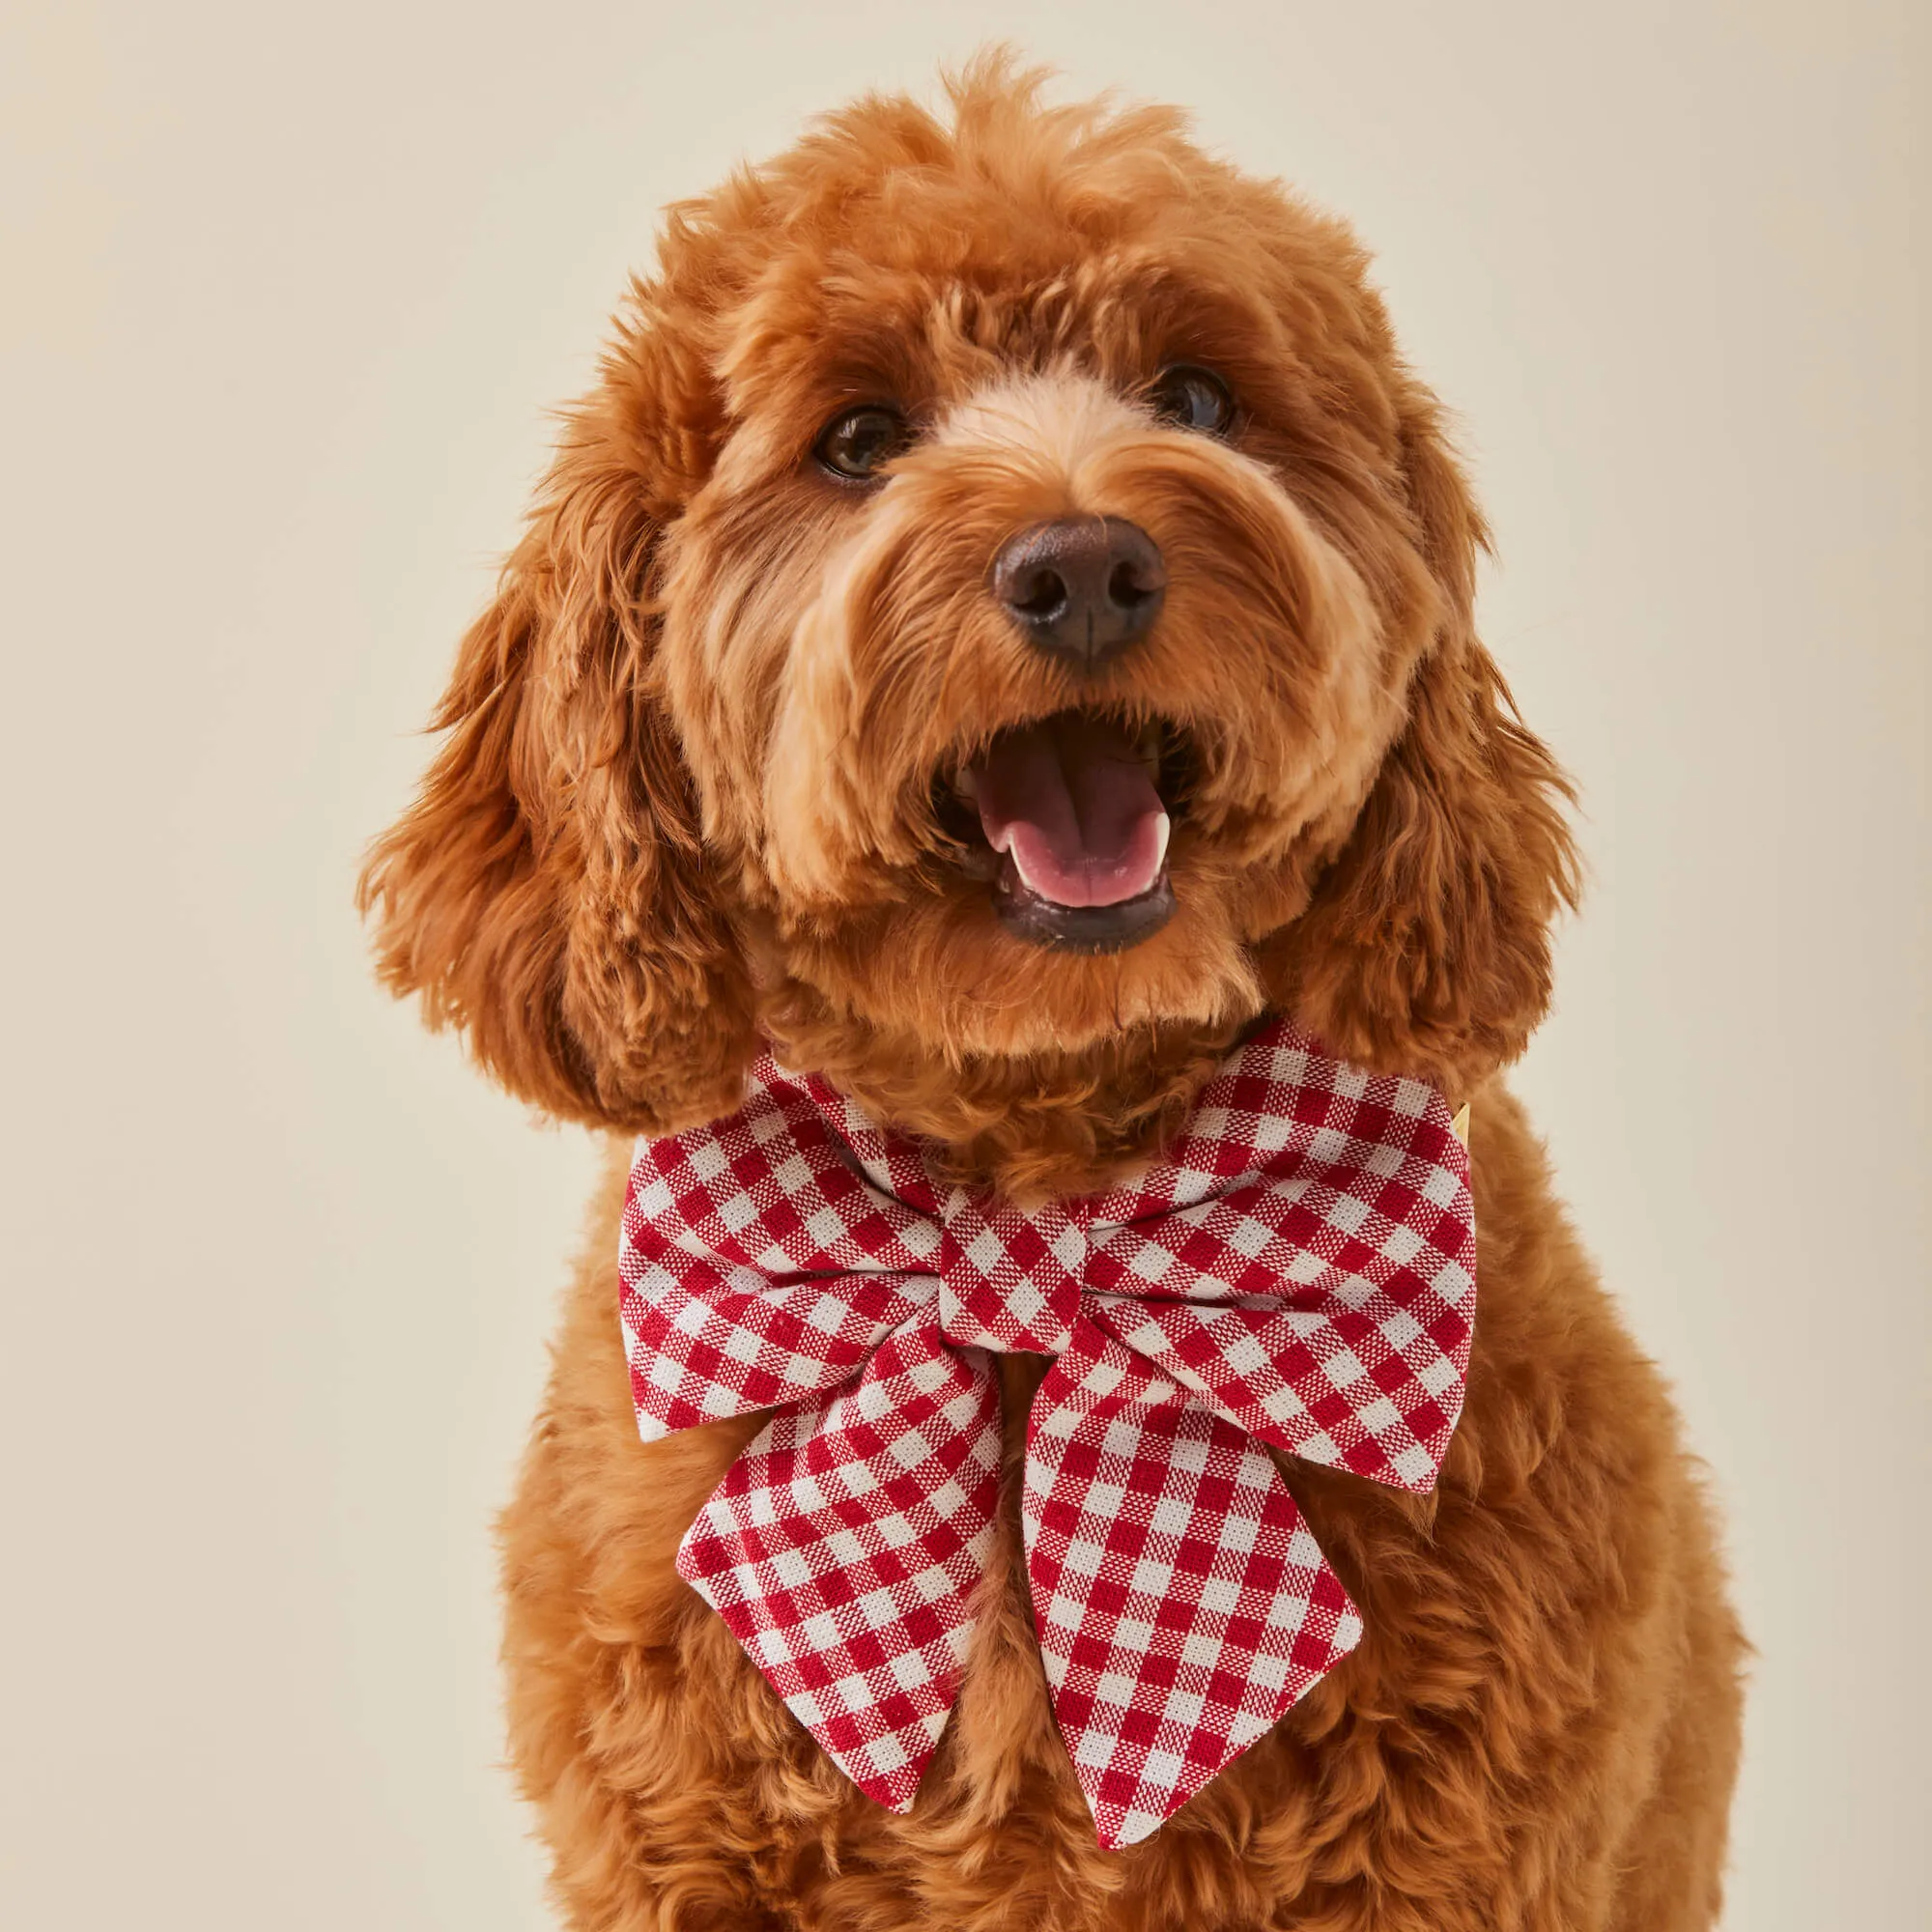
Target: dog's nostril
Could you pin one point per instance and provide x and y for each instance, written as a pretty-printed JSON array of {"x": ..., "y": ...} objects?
[
  {"x": 1082, "y": 588},
  {"x": 1040, "y": 595}
]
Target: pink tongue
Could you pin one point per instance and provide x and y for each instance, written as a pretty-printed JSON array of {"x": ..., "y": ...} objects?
[{"x": 1076, "y": 805}]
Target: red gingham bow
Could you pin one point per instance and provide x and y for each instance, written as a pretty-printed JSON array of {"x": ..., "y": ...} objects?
[{"x": 1299, "y": 1271}]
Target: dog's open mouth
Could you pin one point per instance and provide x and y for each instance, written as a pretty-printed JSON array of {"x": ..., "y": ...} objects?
[{"x": 1072, "y": 831}]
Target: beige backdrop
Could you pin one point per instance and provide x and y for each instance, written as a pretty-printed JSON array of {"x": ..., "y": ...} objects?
[{"x": 287, "y": 293}]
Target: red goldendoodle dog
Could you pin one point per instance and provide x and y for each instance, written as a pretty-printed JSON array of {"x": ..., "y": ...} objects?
[{"x": 1000, "y": 627}]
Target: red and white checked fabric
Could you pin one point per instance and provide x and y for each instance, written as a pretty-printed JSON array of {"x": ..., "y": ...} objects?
[{"x": 1298, "y": 1272}]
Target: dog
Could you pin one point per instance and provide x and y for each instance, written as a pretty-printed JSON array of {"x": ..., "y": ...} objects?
[{"x": 998, "y": 631}]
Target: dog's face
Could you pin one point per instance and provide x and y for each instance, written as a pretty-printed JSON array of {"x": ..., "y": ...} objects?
[{"x": 1004, "y": 592}]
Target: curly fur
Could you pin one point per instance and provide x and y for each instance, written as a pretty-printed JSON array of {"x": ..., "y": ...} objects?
[{"x": 687, "y": 800}]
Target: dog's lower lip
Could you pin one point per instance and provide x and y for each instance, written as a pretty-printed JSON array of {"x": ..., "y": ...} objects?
[{"x": 1104, "y": 929}]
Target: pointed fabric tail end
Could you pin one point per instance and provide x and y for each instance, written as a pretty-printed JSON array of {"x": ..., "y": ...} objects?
[
  {"x": 1181, "y": 1604},
  {"x": 844, "y": 1548}
]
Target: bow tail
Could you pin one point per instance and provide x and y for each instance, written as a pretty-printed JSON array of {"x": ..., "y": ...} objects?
[
  {"x": 843, "y": 1550},
  {"x": 1182, "y": 1605}
]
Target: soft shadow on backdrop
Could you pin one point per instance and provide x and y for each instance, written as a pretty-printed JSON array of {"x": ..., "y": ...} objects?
[{"x": 287, "y": 301}]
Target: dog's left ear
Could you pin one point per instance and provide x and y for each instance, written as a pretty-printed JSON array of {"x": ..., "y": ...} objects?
[
  {"x": 1425, "y": 948},
  {"x": 550, "y": 893}
]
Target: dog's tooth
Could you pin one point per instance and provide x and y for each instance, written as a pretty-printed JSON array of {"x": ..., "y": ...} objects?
[
  {"x": 1160, "y": 837},
  {"x": 1002, "y": 840},
  {"x": 1019, "y": 865}
]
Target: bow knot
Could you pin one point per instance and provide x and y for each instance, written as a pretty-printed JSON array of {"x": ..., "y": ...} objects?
[
  {"x": 1298, "y": 1274},
  {"x": 1010, "y": 1281}
]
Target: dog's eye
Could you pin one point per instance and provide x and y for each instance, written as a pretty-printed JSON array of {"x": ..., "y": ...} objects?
[
  {"x": 854, "y": 444},
  {"x": 1192, "y": 398}
]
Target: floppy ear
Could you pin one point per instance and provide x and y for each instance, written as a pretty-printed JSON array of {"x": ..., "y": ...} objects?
[
  {"x": 1426, "y": 945},
  {"x": 548, "y": 893}
]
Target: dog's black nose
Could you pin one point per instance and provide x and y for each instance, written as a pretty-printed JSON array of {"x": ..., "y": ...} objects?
[{"x": 1083, "y": 589}]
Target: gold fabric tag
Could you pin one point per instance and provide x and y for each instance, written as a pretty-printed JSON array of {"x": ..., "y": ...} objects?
[{"x": 1460, "y": 1125}]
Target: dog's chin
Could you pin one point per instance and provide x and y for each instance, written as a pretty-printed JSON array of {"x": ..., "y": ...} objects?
[
  {"x": 1040, "y": 920},
  {"x": 958, "y": 966}
]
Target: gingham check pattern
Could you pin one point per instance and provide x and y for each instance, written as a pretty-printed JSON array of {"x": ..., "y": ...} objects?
[{"x": 1297, "y": 1273}]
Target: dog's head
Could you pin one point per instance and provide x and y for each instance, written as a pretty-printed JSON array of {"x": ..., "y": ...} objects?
[{"x": 1005, "y": 593}]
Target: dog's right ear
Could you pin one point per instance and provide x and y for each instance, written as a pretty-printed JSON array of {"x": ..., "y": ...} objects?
[
  {"x": 548, "y": 893},
  {"x": 1426, "y": 946}
]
